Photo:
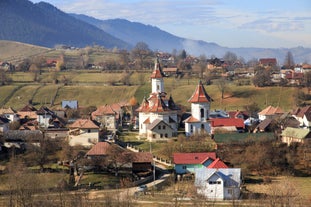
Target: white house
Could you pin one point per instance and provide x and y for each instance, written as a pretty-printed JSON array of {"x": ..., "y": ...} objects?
[
  {"x": 83, "y": 132},
  {"x": 44, "y": 116},
  {"x": 218, "y": 184},
  {"x": 199, "y": 121},
  {"x": 4, "y": 124},
  {"x": 157, "y": 109},
  {"x": 10, "y": 114}
]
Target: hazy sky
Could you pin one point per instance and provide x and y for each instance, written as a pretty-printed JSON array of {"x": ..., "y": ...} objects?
[{"x": 231, "y": 23}]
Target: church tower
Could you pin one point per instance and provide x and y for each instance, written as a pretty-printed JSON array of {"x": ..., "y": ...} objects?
[
  {"x": 200, "y": 109},
  {"x": 157, "y": 82}
]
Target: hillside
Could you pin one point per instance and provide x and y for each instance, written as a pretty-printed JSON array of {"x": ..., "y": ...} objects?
[
  {"x": 14, "y": 51},
  {"x": 45, "y": 25},
  {"x": 92, "y": 88}
]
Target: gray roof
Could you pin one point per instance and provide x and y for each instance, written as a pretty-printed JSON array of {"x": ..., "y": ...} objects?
[
  {"x": 156, "y": 122},
  {"x": 230, "y": 176}
]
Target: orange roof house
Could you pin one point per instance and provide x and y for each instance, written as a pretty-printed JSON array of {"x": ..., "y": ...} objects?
[{"x": 270, "y": 112}]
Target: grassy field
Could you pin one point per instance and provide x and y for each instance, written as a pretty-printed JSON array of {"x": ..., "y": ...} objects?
[
  {"x": 300, "y": 186},
  {"x": 16, "y": 51},
  {"x": 92, "y": 89}
]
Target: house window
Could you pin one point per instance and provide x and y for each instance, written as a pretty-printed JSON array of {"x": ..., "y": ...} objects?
[
  {"x": 159, "y": 127},
  {"x": 202, "y": 113},
  {"x": 191, "y": 128},
  {"x": 158, "y": 87},
  {"x": 153, "y": 136},
  {"x": 202, "y": 126},
  {"x": 230, "y": 191},
  {"x": 88, "y": 131},
  {"x": 163, "y": 127},
  {"x": 214, "y": 182},
  {"x": 184, "y": 167},
  {"x": 166, "y": 135},
  {"x": 161, "y": 135}
]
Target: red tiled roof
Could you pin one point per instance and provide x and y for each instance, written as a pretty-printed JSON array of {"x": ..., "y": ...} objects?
[
  {"x": 100, "y": 148},
  {"x": 270, "y": 110},
  {"x": 200, "y": 95},
  {"x": 193, "y": 158},
  {"x": 84, "y": 124},
  {"x": 219, "y": 122},
  {"x": 268, "y": 61},
  {"x": 147, "y": 121},
  {"x": 156, "y": 72},
  {"x": 300, "y": 112},
  {"x": 142, "y": 157},
  {"x": 9, "y": 110},
  {"x": 218, "y": 163},
  {"x": 153, "y": 104},
  {"x": 191, "y": 119},
  {"x": 235, "y": 114}
]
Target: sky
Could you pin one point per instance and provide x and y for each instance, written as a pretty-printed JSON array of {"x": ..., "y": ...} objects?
[{"x": 229, "y": 23}]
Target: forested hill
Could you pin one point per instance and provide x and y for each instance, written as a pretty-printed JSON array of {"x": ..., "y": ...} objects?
[{"x": 45, "y": 25}]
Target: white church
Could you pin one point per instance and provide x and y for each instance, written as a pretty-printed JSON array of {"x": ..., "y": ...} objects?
[
  {"x": 158, "y": 114},
  {"x": 199, "y": 121}
]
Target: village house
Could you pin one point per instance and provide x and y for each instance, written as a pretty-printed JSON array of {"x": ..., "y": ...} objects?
[
  {"x": 291, "y": 135},
  {"x": 303, "y": 115},
  {"x": 109, "y": 116},
  {"x": 227, "y": 125},
  {"x": 158, "y": 115},
  {"x": 267, "y": 62},
  {"x": 44, "y": 117},
  {"x": 83, "y": 132},
  {"x": 187, "y": 162},
  {"x": 10, "y": 114},
  {"x": 199, "y": 121},
  {"x": 70, "y": 104},
  {"x": 140, "y": 163},
  {"x": 27, "y": 112},
  {"x": 4, "y": 124},
  {"x": 270, "y": 112},
  {"x": 218, "y": 184}
]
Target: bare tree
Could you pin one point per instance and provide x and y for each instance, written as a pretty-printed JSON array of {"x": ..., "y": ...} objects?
[
  {"x": 118, "y": 158},
  {"x": 140, "y": 52},
  {"x": 289, "y": 60},
  {"x": 222, "y": 86}
]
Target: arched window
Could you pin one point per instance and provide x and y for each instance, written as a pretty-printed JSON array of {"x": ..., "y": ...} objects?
[{"x": 202, "y": 113}]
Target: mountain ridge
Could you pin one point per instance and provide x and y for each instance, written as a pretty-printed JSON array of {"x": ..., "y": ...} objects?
[
  {"x": 45, "y": 25},
  {"x": 195, "y": 47}
]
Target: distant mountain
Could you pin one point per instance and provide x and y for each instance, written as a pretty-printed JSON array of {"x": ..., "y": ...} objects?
[
  {"x": 45, "y": 25},
  {"x": 133, "y": 32}
]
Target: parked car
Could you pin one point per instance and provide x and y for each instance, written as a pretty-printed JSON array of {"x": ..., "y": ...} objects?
[{"x": 142, "y": 188}]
